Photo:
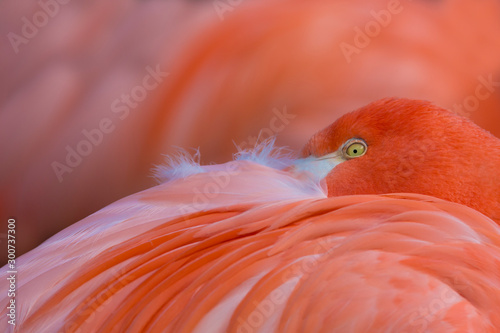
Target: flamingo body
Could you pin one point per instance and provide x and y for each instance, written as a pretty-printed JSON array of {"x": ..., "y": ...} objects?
[
  {"x": 268, "y": 252},
  {"x": 269, "y": 65}
]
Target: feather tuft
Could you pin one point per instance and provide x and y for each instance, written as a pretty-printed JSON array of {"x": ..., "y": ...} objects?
[
  {"x": 183, "y": 164},
  {"x": 179, "y": 165},
  {"x": 266, "y": 153}
]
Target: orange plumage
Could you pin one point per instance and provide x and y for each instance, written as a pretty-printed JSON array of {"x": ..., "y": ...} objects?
[
  {"x": 243, "y": 247},
  {"x": 415, "y": 147},
  {"x": 228, "y": 79}
]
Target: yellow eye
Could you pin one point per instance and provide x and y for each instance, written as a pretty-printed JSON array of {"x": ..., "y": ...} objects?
[{"x": 355, "y": 148}]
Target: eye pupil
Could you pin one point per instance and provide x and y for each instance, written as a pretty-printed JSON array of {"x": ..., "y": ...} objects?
[{"x": 355, "y": 151}]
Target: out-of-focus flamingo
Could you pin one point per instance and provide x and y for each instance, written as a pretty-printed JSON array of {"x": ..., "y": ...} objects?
[
  {"x": 228, "y": 80},
  {"x": 270, "y": 54},
  {"x": 246, "y": 247},
  {"x": 64, "y": 81}
]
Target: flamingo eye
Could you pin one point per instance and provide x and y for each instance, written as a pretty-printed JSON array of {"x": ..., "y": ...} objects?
[{"x": 354, "y": 148}]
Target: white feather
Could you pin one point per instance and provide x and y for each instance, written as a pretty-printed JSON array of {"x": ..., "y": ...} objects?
[
  {"x": 183, "y": 164},
  {"x": 180, "y": 165}
]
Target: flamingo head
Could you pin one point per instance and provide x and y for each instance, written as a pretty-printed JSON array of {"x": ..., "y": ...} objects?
[{"x": 401, "y": 145}]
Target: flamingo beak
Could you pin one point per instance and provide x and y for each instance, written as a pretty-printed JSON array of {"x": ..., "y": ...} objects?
[{"x": 316, "y": 167}]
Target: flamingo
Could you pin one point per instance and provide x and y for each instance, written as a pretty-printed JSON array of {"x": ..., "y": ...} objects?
[
  {"x": 264, "y": 57},
  {"x": 269, "y": 243}
]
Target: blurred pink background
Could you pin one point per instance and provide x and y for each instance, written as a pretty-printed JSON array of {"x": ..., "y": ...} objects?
[{"x": 93, "y": 93}]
